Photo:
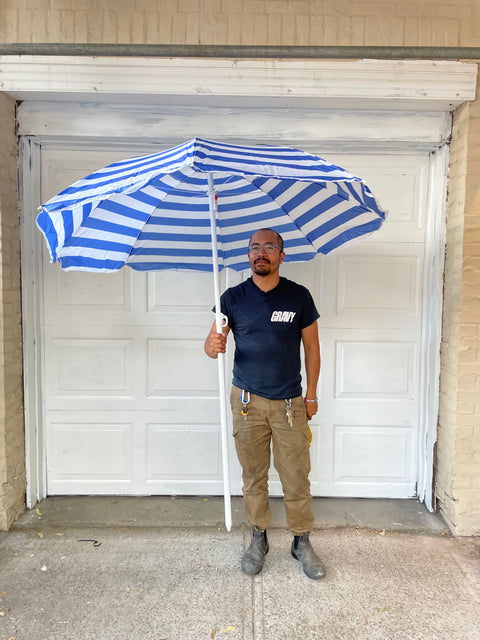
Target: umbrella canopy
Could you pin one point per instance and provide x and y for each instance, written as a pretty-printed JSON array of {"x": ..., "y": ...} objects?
[
  {"x": 152, "y": 212},
  {"x": 195, "y": 206}
]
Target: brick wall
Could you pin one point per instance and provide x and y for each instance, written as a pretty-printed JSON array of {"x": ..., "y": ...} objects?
[
  {"x": 243, "y": 22},
  {"x": 466, "y": 470},
  {"x": 451, "y": 316},
  {"x": 12, "y": 444},
  {"x": 458, "y": 446}
]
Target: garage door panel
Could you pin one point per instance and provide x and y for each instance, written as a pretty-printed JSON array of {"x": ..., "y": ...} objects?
[
  {"x": 78, "y": 450},
  {"x": 377, "y": 286},
  {"x": 374, "y": 370},
  {"x": 89, "y": 291},
  {"x": 392, "y": 285},
  {"x": 169, "y": 457},
  {"x": 180, "y": 292},
  {"x": 91, "y": 368},
  {"x": 176, "y": 368},
  {"x": 370, "y": 457},
  {"x": 374, "y": 454}
]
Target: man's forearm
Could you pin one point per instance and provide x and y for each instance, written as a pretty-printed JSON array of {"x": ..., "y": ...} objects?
[
  {"x": 311, "y": 348},
  {"x": 312, "y": 368}
]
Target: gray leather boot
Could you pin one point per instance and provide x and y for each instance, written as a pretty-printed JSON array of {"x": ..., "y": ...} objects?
[
  {"x": 302, "y": 550},
  {"x": 252, "y": 559}
]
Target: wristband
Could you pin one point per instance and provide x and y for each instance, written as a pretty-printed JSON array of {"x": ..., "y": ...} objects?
[{"x": 307, "y": 400}]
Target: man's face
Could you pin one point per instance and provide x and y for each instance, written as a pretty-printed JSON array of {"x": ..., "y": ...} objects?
[{"x": 261, "y": 262}]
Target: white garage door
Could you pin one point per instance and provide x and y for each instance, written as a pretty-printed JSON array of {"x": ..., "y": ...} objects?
[{"x": 131, "y": 401}]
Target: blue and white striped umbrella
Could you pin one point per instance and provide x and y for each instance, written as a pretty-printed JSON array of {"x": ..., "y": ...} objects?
[
  {"x": 152, "y": 212},
  {"x": 196, "y": 206}
]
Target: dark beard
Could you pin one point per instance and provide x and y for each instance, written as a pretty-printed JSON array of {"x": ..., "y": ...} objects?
[{"x": 261, "y": 269}]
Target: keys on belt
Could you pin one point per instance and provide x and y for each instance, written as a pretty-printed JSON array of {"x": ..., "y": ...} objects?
[
  {"x": 245, "y": 399},
  {"x": 290, "y": 413}
]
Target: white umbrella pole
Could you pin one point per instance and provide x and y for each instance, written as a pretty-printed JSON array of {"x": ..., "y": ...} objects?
[{"x": 221, "y": 356}]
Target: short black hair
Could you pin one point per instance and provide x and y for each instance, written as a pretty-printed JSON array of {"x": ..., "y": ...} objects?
[{"x": 279, "y": 237}]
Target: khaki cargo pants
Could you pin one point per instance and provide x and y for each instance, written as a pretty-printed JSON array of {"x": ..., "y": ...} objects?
[{"x": 267, "y": 421}]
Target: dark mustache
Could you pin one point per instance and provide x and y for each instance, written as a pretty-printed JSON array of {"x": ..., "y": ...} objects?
[{"x": 263, "y": 260}]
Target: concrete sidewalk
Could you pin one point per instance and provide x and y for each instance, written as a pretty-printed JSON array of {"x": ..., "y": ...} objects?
[{"x": 164, "y": 568}]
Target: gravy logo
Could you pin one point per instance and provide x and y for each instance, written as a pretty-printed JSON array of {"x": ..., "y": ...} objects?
[{"x": 283, "y": 316}]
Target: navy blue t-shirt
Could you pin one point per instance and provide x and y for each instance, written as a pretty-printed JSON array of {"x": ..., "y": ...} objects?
[{"x": 267, "y": 329}]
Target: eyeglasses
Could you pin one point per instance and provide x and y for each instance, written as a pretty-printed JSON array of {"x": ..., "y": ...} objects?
[{"x": 268, "y": 247}]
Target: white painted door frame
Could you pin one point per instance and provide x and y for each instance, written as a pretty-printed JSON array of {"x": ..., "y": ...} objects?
[
  {"x": 432, "y": 324},
  {"x": 32, "y": 323},
  {"x": 33, "y": 331},
  {"x": 408, "y": 85}
]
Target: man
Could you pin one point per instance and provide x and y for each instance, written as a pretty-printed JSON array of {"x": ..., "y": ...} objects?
[{"x": 270, "y": 317}]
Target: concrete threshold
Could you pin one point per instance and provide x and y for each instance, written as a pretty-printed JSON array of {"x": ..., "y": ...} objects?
[{"x": 404, "y": 516}]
